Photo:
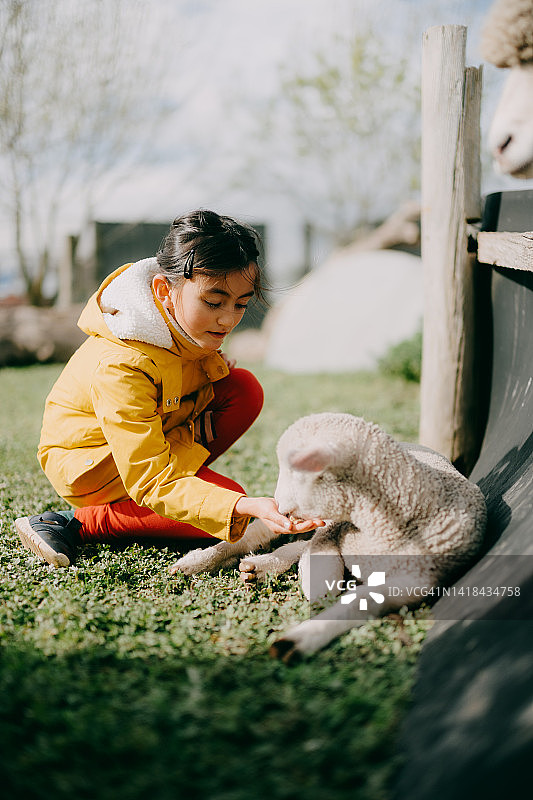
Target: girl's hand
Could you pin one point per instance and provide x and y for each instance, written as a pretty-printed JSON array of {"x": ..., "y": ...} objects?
[
  {"x": 266, "y": 508},
  {"x": 230, "y": 362}
]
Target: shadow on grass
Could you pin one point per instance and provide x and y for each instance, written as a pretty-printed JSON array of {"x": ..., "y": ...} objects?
[{"x": 93, "y": 724}]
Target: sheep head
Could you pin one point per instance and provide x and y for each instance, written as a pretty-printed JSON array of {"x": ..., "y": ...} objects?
[
  {"x": 511, "y": 131},
  {"x": 313, "y": 458},
  {"x": 507, "y": 42}
]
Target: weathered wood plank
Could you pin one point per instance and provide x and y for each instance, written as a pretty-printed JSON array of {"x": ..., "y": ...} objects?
[
  {"x": 511, "y": 250},
  {"x": 450, "y": 196}
]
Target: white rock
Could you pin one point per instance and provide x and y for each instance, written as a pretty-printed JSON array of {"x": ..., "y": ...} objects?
[{"x": 347, "y": 313}]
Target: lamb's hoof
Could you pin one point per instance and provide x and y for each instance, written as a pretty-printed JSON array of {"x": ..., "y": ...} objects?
[
  {"x": 247, "y": 571},
  {"x": 285, "y": 650},
  {"x": 258, "y": 567},
  {"x": 183, "y": 568},
  {"x": 192, "y": 563},
  {"x": 209, "y": 559}
]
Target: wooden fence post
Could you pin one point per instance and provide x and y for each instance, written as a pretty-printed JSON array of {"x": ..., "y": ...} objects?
[{"x": 451, "y": 97}]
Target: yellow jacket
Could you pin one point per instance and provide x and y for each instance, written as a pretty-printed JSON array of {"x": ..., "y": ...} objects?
[{"x": 119, "y": 421}]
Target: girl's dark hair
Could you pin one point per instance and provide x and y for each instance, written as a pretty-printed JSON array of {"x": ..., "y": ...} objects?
[{"x": 207, "y": 243}]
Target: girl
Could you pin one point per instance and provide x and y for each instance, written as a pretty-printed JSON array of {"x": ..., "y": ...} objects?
[{"x": 148, "y": 401}]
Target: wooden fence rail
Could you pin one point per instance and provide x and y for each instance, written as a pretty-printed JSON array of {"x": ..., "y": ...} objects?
[{"x": 512, "y": 250}]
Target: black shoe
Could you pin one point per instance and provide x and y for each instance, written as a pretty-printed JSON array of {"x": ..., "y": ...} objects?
[{"x": 50, "y": 536}]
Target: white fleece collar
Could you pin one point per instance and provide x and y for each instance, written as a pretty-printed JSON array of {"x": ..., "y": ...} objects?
[{"x": 129, "y": 309}]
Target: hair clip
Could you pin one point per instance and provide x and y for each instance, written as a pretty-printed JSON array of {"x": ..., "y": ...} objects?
[{"x": 187, "y": 270}]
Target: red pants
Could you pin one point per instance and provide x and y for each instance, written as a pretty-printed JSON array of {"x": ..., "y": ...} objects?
[{"x": 237, "y": 402}]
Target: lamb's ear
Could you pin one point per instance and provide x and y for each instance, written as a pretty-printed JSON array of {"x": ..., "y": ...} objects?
[{"x": 315, "y": 458}]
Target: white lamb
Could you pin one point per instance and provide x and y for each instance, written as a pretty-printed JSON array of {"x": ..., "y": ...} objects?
[
  {"x": 507, "y": 41},
  {"x": 382, "y": 498},
  {"x": 403, "y": 502}
]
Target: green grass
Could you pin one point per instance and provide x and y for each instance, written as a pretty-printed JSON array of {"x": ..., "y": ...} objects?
[
  {"x": 119, "y": 682},
  {"x": 404, "y": 359}
]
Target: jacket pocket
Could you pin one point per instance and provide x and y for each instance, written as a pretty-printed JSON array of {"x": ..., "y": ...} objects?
[
  {"x": 79, "y": 471},
  {"x": 181, "y": 435}
]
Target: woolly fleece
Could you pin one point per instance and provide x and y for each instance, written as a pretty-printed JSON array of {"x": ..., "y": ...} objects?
[
  {"x": 402, "y": 498},
  {"x": 507, "y": 38},
  {"x": 129, "y": 308}
]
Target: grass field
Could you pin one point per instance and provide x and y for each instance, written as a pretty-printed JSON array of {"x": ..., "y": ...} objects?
[{"x": 119, "y": 682}]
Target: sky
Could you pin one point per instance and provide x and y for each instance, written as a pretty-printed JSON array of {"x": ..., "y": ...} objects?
[
  {"x": 228, "y": 57},
  {"x": 234, "y": 50}
]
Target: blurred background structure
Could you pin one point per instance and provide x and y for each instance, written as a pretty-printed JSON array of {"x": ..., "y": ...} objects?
[{"x": 299, "y": 116}]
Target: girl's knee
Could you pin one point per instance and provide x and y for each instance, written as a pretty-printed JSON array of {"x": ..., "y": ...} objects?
[
  {"x": 248, "y": 386},
  {"x": 241, "y": 386}
]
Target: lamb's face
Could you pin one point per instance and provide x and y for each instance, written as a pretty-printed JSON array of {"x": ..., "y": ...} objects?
[
  {"x": 511, "y": 133},
  {"x": 308, "y": 484},
  {"x": 295, "y": 493}
]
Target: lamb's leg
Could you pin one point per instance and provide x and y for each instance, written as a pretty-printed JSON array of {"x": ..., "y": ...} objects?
[
  {"x": 323, "y": 541},
  {"x": 254, "y": 568},
  {"x": 224, "y": 554},
  {"x": 310, "y": 636},
  {"x": 327, "y": 563},
  {"x": 316, "y": 633}
]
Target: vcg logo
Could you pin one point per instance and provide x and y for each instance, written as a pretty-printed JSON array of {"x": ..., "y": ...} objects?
[{"x": 374, "y": 579}]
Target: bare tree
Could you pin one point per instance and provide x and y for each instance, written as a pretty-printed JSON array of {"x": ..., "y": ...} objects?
[
  {"x": 82, "y": 87},
  {"x": 343, "y": 133}
]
